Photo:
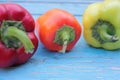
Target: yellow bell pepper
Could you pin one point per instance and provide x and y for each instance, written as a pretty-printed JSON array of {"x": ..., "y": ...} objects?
[{"x": 101, "y": 23}]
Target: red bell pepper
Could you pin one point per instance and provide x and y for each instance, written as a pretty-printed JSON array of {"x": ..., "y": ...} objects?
[
  {"x": 18, "y": 41},
  {"x": 58, "y": 30}
]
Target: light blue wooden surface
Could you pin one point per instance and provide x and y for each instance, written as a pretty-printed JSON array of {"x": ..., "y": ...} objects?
[{"x": 82, "y": 63}]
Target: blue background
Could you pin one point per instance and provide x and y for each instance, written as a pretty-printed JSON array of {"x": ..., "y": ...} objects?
[{"x": 81, "y": 63}]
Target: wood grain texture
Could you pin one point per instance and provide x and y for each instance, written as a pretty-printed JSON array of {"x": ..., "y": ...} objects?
[{"x": 81, "y": 63}]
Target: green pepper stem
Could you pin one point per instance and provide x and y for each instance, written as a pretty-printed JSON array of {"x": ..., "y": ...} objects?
[
  {"x": 64, "y": 36},
  {"x": 64, "y": 47},
  {"x": 103, "y": 30},
  {"x": 22, "y": 36}
]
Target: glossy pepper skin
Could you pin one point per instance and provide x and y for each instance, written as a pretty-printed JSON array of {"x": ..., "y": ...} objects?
[
  {"x": 101, "y": 23},
  {"x": 18, "y": 41},
  {"x": 58, "y": 30}
]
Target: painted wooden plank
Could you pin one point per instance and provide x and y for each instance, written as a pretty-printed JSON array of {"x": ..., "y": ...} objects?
[
  {"x": 40, "y": 8},
  {"x": 55, "y": 1},
  {"x": 81, "y": 63},
  {"x": 3, "y": 1}
]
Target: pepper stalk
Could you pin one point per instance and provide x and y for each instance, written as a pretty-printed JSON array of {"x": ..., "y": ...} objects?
[
  {"x": 64, "y": 36},
  {"x": 13, "y": 35}
]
